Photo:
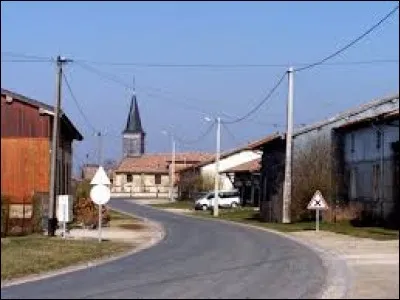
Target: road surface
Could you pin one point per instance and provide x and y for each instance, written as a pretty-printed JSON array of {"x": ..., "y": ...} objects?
[{"x": 197, "y": 259}]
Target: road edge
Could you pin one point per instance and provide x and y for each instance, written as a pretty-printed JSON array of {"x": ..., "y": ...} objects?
[
  {"x": 157, "y": 238},
  {"x": 338, "y": 274}
]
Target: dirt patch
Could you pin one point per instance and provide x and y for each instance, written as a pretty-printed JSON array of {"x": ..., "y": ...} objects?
[{"x": 132, "y": 226}]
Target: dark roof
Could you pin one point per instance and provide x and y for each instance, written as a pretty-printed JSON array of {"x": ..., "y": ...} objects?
[
  {"x": 386, "y": 116},
  {"x": 76, "y": 134},
  {"x": 134, "y": 124},
  {"x": 346, "y": 114}
]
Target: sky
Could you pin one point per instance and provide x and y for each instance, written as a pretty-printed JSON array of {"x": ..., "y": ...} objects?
[{"x": 177, "y": 99}]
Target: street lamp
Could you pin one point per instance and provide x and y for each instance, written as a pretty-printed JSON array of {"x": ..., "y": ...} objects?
[
  {"x": 217, "y": 157},
  {"x": 172, "y": 177}
]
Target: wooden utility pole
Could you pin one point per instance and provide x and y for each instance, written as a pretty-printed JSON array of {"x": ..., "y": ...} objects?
[
  {"x": 287, "y": 187},
  {"x": 52, "y": 218}
]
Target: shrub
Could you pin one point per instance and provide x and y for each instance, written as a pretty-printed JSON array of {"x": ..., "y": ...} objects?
[
  {"x": 311, "y": 171},
  {"x": 197, "y": 184},
  {"x": 85, "y": 211}
]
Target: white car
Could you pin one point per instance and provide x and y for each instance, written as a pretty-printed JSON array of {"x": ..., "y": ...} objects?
[{"x": 226, "y": 199}]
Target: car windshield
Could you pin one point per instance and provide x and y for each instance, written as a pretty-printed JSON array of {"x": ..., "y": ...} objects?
[{"x": 210, "y": 196}]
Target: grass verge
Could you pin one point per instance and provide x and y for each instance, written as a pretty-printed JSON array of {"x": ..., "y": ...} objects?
[
  {"x": 182, "y": 204},
  {"x": 249, "y": 216},
  {"x": 34, "y": 254}
]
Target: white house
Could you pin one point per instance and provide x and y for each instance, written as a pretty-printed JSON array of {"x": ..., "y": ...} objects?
[{"x": 228, "y": 160}]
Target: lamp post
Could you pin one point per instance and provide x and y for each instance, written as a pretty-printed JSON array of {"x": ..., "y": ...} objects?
[
  {"x": 217, "y": 157},
  {"x": 172, "y": 176}
]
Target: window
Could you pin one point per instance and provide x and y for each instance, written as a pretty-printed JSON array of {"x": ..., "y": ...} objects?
[
  {"x": 129, "y": 178},
  {"x": 376, "y": 181},
  {"x": 352, "y": 141},
  {"x": 378, "y": 139},
  {"x": 353, "y": 183},
  {"x": 157, "y": 179}
]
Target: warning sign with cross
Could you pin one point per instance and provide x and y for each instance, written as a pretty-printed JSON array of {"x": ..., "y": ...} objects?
[{"x": 317, "y": 202}]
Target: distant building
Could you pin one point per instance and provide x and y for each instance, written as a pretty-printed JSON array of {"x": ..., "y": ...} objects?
[
  {"x": 139, "y": 174},
  {"x": 26, "y": 126},
  {"x": 228, "y": 160},
  {"x": 150, "y": 174},
  {"x": 246, "y": 178}
]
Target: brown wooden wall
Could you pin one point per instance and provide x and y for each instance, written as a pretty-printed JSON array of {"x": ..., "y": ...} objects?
[
  {"x": 21, "y": 119},
  {"x": 25, "y": 164}
]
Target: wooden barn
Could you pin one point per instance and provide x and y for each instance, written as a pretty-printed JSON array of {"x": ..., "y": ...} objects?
[{"x": 26, "y": 133}]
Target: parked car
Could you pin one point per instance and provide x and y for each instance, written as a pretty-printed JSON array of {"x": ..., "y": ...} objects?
[{"x": 226, "y": 199}]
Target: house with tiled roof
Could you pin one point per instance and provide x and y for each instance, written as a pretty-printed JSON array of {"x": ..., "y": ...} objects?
[
  {"x": 144, "y": 175},
  {"x": 228, "y": 160},
  {"x": 246, "y": 179},
  {"x": 149, "y": 175}
]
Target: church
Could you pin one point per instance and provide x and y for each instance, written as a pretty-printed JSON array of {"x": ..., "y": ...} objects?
[{"x": 147, "y": 175}]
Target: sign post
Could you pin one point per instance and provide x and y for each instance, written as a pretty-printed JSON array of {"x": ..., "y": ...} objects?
[
  {"x": 317, "y": 203},
  {"x": 100, "y": 193}
]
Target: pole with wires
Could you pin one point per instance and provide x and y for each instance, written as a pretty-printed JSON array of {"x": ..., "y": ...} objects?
[
  {"x": 52, "y": 219},
  {"x": 287, "y": 187},
  {"x": 173, "y": 169},
  {"x": 217, "y": 178}
]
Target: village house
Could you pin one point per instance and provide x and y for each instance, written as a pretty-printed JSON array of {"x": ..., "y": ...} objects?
[
  {"x": 228, "y": 160},
  {"x": 246, "y": 179},
  {"x": 26, "y": 132},
  {"x": 336, "y": 132},
  {"x": 144, "y": 175}
]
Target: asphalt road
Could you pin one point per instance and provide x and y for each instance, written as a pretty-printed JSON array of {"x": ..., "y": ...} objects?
[{"x": 197, "y": 259}]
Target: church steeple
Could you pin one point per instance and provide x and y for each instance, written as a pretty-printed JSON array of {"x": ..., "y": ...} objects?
[
  {"x": 133, "y": 135},
  {"x": 134, "y": 123}
]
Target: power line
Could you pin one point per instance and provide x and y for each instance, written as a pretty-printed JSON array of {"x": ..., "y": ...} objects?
[
  {"x": 78, "y": 105},
  {"x": 208, "y": 65},
  {"x": 26, "y": 56},
  {"x": 198, "y": 139},
  {"x": 122, "y": 83},
  {"x": 36, "y": 58},
  {"x": 259, "y": 104},
  {"x": 26, "y": 60},
  {"x": 349, "y": 44}
]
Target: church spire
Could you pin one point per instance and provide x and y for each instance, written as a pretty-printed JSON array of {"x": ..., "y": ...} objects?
[{"x": 134, "y": 123}]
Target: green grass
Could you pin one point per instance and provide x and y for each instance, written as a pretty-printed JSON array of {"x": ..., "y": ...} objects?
[
  {"x": 183, "y": 204},
  {"x": 21, "y": 256},
  {"x": 249, "y": 216}
]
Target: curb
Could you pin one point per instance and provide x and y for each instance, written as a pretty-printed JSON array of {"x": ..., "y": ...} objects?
[
  {"x": 161, "y": 233},
  {"x": 338, "y": 274}
]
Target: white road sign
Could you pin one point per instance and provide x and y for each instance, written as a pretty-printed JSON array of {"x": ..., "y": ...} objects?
[
  {"x": 100, "y": 194},
  {"x": 317, "y": 202},
  {"x": 100, "y": 177}
]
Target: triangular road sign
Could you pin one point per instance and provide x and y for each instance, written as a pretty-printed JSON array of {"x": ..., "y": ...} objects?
[
  {"x": 100, "y": 177},
  {"x": 317, "y": 201}
]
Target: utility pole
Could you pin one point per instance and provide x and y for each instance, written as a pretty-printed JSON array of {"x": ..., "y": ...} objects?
[
  {"x": 99, "y": 157},
  {"x": 99, "y": 154},
  {"x": 287, "y": 187},
  {"x": 52, "y": 219},
  {"x": 216, "y": 188},
  {"x": 173, "y": 168}
]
